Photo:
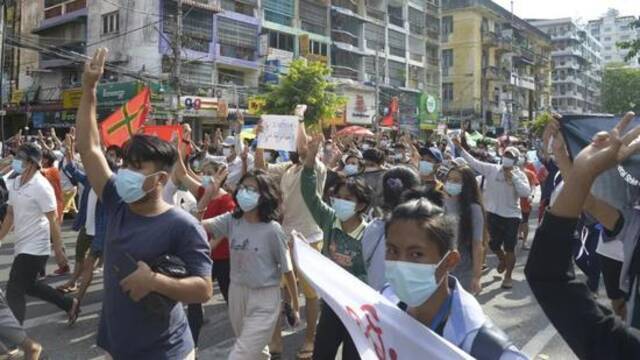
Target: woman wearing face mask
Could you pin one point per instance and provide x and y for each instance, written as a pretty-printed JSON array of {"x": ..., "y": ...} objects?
[
  {"x": 343, "y": 227},
  {"x": 352, "y": 165},
  {"x": 259, "y": 258},
  {"x": 465, "y": 204},
  {"x": 420, "y": 254},
  {"x": 430, "y": 161}
]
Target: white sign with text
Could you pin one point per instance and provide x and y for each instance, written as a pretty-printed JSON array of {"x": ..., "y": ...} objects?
[{"x": 279, "y": 132}]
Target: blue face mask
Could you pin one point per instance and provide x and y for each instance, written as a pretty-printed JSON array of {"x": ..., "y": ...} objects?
[
  {"x": 206, "y": 180},
  {"x": 453, "y": 189},
  {"x": 413, "y": 283},
  {"x": 129, "y": 185},
  {"x": 247, "y": 199},
  {"x": 426, "y": 168},
  {"x": 351, "y": 169},
  {"x": 344, "y": 209},
  {"x": 16, "y": 165}
]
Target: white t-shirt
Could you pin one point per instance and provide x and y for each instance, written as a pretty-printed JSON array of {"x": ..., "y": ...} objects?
[
  {"x": 30, "y": 203},
  {"x": 90, "y": 224}
]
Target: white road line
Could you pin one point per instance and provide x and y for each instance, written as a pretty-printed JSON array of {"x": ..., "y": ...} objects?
[{"x": 539, "y": 341}]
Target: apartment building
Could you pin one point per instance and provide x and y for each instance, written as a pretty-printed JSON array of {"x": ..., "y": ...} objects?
[
  {"x": 577, "y": 66},
  {"x": 495, "y": 66},
  {"x": 611, "y": 29},
  {"x": 378, "y": 50}
]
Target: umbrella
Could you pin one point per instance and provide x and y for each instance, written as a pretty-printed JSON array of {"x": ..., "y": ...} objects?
[{"x": 354, "y": 131}]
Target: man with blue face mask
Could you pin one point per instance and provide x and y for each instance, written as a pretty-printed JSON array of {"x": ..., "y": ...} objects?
[
  {"x": 504, "y": 185},
  {"x": 141, "y": 229}
]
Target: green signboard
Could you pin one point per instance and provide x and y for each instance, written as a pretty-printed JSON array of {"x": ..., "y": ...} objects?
[
  {"x": 428, "y": 110},
  {"x": 113, "y": 95}
]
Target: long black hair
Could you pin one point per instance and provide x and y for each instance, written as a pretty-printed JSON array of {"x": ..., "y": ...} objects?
[
  {"x": 395, "y": 182},
  {"x": 470, "y": 195},
  {"x": 269, "y": 202}
]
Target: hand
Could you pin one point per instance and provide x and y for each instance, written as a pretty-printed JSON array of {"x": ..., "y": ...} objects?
[
  {"x": 313, "y": 146},
  {"x": 61, "y": 257},
  {"x": 456, "y": 141},
  {"x": 219, "y": 178},
  {"x": 139, "y": 283},
  {"x": 245, "y": 154},
  {"x": 299, "y": 111},
  {"x": 607, "y": 149},
  {"x": 476, "y": 287},
  {"x": 94, "y": 68}
]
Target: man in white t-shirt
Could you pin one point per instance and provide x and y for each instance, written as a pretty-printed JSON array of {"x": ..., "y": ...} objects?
[{"x": 32, "y": 214}]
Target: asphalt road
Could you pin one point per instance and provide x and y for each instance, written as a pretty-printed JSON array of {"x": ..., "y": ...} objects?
[{"x": 515, "y": 311}]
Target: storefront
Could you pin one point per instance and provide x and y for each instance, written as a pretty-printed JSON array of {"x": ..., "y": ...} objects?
[{"x": 204, "y": 114}]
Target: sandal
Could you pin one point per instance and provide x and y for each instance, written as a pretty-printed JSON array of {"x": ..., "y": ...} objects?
[
  {"x": 507, "y": 284},
  {"x": 275, "y": 355},
  {"x": 74, "y": 312},
  {"x": 304, "y": 354},
  {"x": 66, "y": 288}
]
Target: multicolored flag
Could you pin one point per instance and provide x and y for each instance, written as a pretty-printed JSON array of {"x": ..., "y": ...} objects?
[{"x": 126, "y": 121}]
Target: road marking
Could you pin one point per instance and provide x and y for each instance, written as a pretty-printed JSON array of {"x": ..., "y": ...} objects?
[{"x": 539, "y": 341}]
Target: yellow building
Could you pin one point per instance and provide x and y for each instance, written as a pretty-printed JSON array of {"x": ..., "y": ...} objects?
[{"x": 495, "y": 66}]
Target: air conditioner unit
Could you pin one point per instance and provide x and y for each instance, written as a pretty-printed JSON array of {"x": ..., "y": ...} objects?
[{"x": 119, "y": 56}]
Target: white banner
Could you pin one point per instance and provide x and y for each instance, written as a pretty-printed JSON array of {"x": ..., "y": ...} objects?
[
  {"x": 279, "y": 132},
  {"x": 379, "y": 329}
]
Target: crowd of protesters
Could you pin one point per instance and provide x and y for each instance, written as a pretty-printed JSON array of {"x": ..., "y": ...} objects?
[{"x": 414, "y": 219}]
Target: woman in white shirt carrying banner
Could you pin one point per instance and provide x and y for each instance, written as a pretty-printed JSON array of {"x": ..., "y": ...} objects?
[{"x": 421, "y": 252}]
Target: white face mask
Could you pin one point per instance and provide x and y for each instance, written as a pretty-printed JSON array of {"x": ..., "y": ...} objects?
[
  {"x": 508, "y": 162},
  {"x": 413, "y": 283}
]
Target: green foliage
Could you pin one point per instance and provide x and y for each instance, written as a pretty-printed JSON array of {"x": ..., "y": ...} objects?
[
  {"x": 621, "y": 90},
  {"x": 305, "y": 83},
  {"x": 539, "y": 123},
  {"x": 633, "y": 45}
]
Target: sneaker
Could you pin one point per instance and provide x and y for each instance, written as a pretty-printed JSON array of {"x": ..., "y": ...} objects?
[{"x": 64, "y": 270}]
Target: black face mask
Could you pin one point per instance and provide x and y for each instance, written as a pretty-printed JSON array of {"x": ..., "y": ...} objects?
[{"x": 294, "y": 157}]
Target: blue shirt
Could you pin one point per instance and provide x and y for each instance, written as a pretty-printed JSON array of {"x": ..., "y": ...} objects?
[{"x": 126, "y": 331}]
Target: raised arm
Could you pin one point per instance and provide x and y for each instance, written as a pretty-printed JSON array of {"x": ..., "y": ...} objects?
[
  {"x": 591, "y": 331},
  {"x": 88, "y": 144},
  {"x": 322, "y": 213},
  {"x": 482, "y": 167}
]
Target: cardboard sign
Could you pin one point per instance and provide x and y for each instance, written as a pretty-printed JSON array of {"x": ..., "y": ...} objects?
[{"x": 280, "y": 132}]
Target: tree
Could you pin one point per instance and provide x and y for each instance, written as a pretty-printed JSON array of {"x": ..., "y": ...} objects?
[
  {"x": 621, "y": 90},
  {"x": 305, "y": 83},
  {"x": 633, "y": 45}
]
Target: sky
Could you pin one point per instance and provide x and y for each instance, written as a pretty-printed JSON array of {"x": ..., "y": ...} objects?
[{"x": 585, "y": 9}]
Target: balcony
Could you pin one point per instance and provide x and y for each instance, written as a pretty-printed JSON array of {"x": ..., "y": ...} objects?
[
  {"x": 48, "y": 61},
  {"x": 235, "y": 52},
  {"x": 417, "y": 29},
  {"x": 523, "y": 81},
  {"x": 345, "y": 37},
  {"x": 346, "y": 4},
  {"x": 432, "y": 60},
  {"x": 344, "y": 72},
  {"x": 489, "y": 38},
  {"x": 63, "y": 13},
  {"x": 397, "y": 51},
  {"x": 375, "y": 13},
  {"x": 416, "y": 57}
]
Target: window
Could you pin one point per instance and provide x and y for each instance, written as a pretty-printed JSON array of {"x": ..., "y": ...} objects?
[
  {"x": 317, "y": 48},
  {"x": 607, "y": 38},
  {"x": 110, "y": 23},
  {"x": 447, "y": 26},
  {"x": 282, "y": 41},
  {"x": 608, "y": 48},
  {"x": 447, "y": 92},
  {"x": 447, "y": 58},
  {"x": 607, "y": 57},
  {"x": 607, "y": 29}
]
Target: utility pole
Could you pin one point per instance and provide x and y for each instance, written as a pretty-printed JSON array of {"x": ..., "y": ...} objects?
[
  {"x": 375, "y": 119},
  {"x": 177, "y": 62}
]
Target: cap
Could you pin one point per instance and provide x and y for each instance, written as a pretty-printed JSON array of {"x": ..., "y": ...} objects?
[
  {"x": 513, "y": 151},
  {"x": 433, "y": 152},
  {"x": 29, "y": 151},
  {"x": 229, "y": 141}
]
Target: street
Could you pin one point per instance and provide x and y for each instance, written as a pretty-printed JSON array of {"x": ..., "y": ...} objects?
[{"x": 515, "y": 311}]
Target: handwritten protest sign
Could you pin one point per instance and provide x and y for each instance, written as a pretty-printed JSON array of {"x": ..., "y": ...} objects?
[
  {"x": 280, "y": 132},
  {"x": 379, "y": 329}
]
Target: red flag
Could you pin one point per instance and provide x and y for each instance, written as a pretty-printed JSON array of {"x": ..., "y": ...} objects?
[
  {"x": 389, "y": 119},
  {"x": 165, "y": 132},
  {"x": 126, "y": 121}
]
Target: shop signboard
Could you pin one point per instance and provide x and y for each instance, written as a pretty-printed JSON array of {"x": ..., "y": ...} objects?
[
  {"x": 199, "y": 107},
  {"x": 115, "y": 94},
  {"x": 55, "y": 119},
  {"x": 71, "y": 98},
  {"x": 428, "y": 110},
  {"x": 360, "y": 108}
]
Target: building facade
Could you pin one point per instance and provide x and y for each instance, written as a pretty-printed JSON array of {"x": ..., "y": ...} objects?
[
  {"x": 495, "y": 66},
  {"x": 577, "y": 66},
  {"x": 611, "y": 29},
  {"x": 378, "y": 50}
]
